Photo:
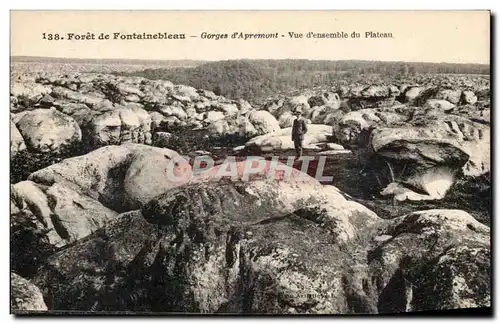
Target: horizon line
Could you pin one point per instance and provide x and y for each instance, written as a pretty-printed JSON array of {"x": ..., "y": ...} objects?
[{"x": 233, "y": 59}]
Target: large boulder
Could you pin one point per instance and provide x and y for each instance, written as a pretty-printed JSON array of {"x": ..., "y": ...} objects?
[
  {"x": 151, "y": 173},
  {"x": 243, "y": 106},
  {"x": 28, "y": 94},
  {"x": 435, "y": 147},
  {"x": 247, "y": 254},
  {"x": 85, "y": 270},
  {"x": 431, "y": 260},
  {"x": 92, "y": 99},
  {"x": 439, "y": 104},
  {"x": 272, "y": 247},
  {"x": 354, "y": 127},
  {"x": 120, "y": 177},
  {"x": 286, "y": 119},
  {"x": 375, "y": 91},
  {"x": 469, "y": 97},
  {"x": 282, "y": 140},
  {"x": 24, "y": 295},
  {"x": 122, "y": 125},
  {"x": 74, "y": 215},
  {"x": 450, "y": 95},
  {"x": 326, "y": 98},
  {"x": 411, "y": 94},
  {"x": 128, "y": 89},
  {"x": 263, "y": 122},
  {"x": 48, "y": 130},
  {"x": 45, "y": 219}
]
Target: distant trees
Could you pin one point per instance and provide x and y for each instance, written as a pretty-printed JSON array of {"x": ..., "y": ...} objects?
[{"x": 256, "y": 80}]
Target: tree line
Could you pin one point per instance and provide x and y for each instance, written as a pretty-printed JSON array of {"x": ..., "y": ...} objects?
[{"x": 256, "y": 80}]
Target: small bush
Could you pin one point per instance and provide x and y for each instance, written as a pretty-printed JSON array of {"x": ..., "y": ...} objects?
[{"x": 185, "y": 140}]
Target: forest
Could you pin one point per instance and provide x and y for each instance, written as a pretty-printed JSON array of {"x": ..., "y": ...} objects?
[{"x": 256, "y": 80}]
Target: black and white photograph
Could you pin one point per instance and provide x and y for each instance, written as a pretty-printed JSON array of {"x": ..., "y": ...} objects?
[{"x": 250, "y": 162}]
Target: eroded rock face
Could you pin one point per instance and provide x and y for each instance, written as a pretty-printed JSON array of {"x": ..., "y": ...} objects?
[
  {"x": 127, "y": 243},
  {"x": 48, "y": 130},
  {"x": 25, "y": 296},
  {"x": 123, "y": 125},
  {"x": 418, "y": 148},
  {"x": 354, "y": 127},
  {"x": 437, "y": 147},
  {"x": 241, "y": 249},
  {"x": 432, "y": 259},
  {"x": 16, "y": 140},
  {"x": 45, "y": 219},
  {"x": 272, "y": 248}
]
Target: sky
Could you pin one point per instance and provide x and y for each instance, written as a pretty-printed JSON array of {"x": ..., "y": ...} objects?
[{"x": 424, "y": 36}]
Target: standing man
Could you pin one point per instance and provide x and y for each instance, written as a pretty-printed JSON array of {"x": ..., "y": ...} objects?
[{"x": 299, "y": 129}]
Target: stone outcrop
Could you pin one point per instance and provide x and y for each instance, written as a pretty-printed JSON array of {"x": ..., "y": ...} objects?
[
  {"x": 122, "y": 125},
  {"x": 25, "y": 296},
  {"x": 111, "y": 110},
  {"x": 130, "y": 227},
  {"x": 272, "y": 248},
  {"x": 48, "y": 130},
  {"x": 436, "y": 148},
  {"x": 234, "y": 255},
  {"x": 282, "y": 140},
  {"x": 119, "y": 177},
  {"x": 354, "y": 127},
  {"x": 47, "y": 218},
  {"x": 431, "y": 259}
]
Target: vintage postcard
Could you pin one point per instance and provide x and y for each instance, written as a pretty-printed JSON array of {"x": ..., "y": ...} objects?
[{"x": 250, "y": 162}]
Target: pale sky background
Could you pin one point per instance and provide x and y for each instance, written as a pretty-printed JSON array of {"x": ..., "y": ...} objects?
[{"x": 425, "y": 36}]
